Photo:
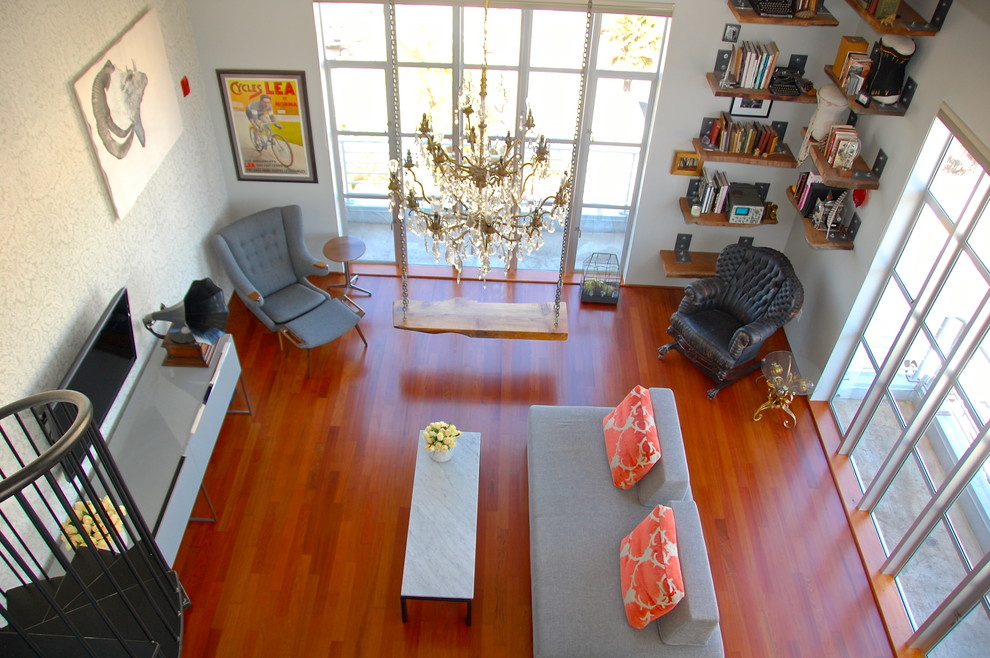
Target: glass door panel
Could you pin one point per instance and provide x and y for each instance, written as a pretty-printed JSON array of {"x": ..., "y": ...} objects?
[
  {"x": 968, "y": 518},
  {"x": 904, "y": 499},
  {"x": 956, "y": 179},
  {"x": 630, "y": 43},
  {"x": 620, "y": 110},
  {"x": 921, "y": 363},
  {"x": 353, "y": 32},
  {"x": 558, "y": 40},
  {"x": 930, "y": 575},
  {"x": 425, "y": 91},
  {"x": 503, "y": 36},
  {"x": 359, "y": 100},
  {"x": 856, "y": 381},
  {"x": 921, "y": 251},
  {"x": 968, "y": 638},
  {"x": 973, "y": 381},
  {"x": 881, "y": 434},
  {"x": 886, "y": 321},
  {"x": 424, "y": 33},
  {"x": 553, "y": 101},
  {"x": 364, "y": 170}
]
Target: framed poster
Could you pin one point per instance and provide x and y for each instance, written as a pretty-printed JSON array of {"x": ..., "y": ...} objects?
[
  {"x": 269, "y": 126},
  {"x": 127, "y": 97}
]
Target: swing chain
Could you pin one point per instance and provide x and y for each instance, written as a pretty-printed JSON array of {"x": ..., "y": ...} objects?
[
  {"x": 398, "y": 213},
  {"x": 574, "y": 162}
]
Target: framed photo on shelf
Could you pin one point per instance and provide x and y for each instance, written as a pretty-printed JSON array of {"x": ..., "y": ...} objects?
[
  {"x": 686, "y": 163},
  {"x": 268, "y": 121},
  {"x": 750, "y": 107}
]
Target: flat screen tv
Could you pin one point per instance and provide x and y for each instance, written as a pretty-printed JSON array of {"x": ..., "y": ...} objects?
[{"x": 105, "y": 360}]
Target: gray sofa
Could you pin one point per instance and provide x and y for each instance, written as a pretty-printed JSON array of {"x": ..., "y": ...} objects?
[{"x": 577, "y": 518}]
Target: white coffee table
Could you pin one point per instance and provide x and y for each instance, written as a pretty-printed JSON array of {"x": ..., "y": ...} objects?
[{"x": 443, "y": 526}]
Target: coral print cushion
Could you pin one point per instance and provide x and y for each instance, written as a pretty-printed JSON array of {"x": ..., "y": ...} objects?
[
  {"x": 650, "y": 570},
  {"x": 631, "y": 440}
]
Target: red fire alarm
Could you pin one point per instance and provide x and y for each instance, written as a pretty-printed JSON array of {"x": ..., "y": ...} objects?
[{"x": 185, "y": 85}]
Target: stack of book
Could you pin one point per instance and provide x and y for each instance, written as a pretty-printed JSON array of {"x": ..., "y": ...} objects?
[
  {"x": 810, "y": 189},
  {"x": 855, "y": 71},
  {"x": 713, "y": 193},
  {"x": 842, "y": 147},
  {"x": 751, "y": 65},
  {"x": 747, "y": 137}
]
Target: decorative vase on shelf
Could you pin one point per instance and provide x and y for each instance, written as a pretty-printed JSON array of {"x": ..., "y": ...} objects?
[
  {"x": 441, "y": 439},
  {"x": 441, "y": 456}
]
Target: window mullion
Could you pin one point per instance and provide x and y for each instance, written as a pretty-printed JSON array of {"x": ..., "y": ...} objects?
[
  {"x": 919, "y": 309},
  {"x": 956, "y": 482},
  {"x": 943, "y": 382},
  {"x": 967, "y": 594}
]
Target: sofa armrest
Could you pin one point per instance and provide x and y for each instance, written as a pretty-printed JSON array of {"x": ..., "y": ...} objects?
[
  {"x": 669, "y": 478},
  {"x": 695, "y": 618}
]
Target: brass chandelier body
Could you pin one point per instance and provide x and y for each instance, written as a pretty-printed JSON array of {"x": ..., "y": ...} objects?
[{"x": 482, "y": 201}]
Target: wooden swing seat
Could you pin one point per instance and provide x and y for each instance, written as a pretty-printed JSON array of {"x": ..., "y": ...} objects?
[{"x": 482, "y": 319}]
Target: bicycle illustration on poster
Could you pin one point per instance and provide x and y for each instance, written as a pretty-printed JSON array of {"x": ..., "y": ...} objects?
[{"x": 268, "y": 123}]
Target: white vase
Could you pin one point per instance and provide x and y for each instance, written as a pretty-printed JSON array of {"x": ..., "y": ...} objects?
[{"x": 441, "y": 456}]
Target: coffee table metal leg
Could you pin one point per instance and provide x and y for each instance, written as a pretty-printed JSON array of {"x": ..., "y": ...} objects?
[
  {"x": 405, "y": 614},
  {"x": 469, "y": 612}
]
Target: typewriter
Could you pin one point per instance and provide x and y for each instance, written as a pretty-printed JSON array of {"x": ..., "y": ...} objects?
[{"x": 773, "y": 7}]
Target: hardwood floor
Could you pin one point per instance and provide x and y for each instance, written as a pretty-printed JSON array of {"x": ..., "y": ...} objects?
[{"x": 312, "y": 490}]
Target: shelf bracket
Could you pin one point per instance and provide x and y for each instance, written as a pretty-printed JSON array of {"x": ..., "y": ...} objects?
[
  {"x": 938, "y": 18},
  {"x": 681, "y": 248},
  {"x": 879, "y": 163}
]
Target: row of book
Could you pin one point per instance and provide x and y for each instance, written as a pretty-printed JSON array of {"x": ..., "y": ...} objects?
[
  {"x": 751, "y": 65},
  {"x": 842, "y": 146},
  {"x": 713, "y": 192},
  {"x": 747, "y": 137},
  {"x": 880, "y": 8},
  {"x": 855, "y": 72},
  {"x": 809, "y": 189}
]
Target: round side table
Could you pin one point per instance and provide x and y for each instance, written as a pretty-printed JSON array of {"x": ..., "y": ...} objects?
[
  {"x": 345, "y": 249},
  {"x": 784, "y": 381}
]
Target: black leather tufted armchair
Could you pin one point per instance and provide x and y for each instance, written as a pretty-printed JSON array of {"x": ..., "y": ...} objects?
[{"x": 723, "y": 321}]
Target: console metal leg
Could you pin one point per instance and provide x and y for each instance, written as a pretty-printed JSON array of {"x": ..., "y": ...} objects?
[{"x": 209, "y": 501}]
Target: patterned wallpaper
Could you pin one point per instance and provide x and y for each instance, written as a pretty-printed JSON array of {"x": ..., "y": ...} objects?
[{"x": 64, "y": 253}]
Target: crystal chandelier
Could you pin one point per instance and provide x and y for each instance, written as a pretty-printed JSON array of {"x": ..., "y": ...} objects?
[{"x": 483, "y": 200}]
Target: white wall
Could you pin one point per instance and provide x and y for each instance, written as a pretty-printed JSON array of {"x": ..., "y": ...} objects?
[
  {"x": 831, "y": 279},
  {"x": 259, "y": 34},
  {"x": 64, "y": 253},
  {"x": 949, "y": 69}
]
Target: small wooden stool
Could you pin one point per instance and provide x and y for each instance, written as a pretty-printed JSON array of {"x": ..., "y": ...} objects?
[{"x": 345, "y": 249}]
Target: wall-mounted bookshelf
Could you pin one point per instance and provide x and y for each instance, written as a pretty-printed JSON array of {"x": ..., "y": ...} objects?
[
  {"x": 759, "y": 94},
  {"x": 745, "y": 13},
  {"x": 782, "y": 158},
  {"x": 861, "y": 176},
  {"x": 702, "y": 264},
  {"x": 907, "y": 21},
  {"x": 718, "y": 218},
  {"x": 817, "y": 239},
  {"x": 897, "y": 109}
]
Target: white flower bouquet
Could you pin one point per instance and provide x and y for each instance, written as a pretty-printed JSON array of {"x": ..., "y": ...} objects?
[
  {"x": 92, "y": 524},
  {"x": 440, "y": 436}
]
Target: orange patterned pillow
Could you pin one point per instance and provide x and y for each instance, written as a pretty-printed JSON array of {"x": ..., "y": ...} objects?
[
  {"x": 631, "y": 440},
  {"x": 650, "y": 570}
]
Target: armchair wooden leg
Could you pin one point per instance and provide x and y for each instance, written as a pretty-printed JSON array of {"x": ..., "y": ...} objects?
[{"x": 361, "y": 334}]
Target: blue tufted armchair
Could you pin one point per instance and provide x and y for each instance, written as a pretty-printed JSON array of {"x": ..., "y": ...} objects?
[
  {"x": 723, "y": 321},
  {"x": 267, "y": 260}
]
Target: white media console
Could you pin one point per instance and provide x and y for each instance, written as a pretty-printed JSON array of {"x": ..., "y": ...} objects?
[{"x": 165, "y": 436}]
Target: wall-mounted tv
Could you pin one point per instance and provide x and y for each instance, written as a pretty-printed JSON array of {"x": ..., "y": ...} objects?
[{"x": 105, "y": 360}]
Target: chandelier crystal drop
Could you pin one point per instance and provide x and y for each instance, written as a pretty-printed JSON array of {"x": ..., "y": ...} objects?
[{"x": 483, "y": 200}]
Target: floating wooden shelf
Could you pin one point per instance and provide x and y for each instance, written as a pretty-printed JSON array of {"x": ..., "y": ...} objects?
[
  {"x": 482, "y": 319},
  {"x": 744, "y": 13},
  {"x": 874, "y": 108},
  {"x": 816, "y": 239},
  {"x": 860, "y": 177},
  {"x": 908, "y": 21},
  {"x": 702, "y": 264},
  {"x": 717, "y": 218},
  {"x": 783, "y": 158},
  {"x": 759, "y": 94}
]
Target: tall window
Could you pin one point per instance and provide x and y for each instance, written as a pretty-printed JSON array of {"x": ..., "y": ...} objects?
[
  {"x": 914, "y": 402},
  {"x": 535, "y": 57}
]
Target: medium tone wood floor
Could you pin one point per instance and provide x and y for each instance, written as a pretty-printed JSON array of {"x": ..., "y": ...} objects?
[{"x": 312, "y": 490}]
